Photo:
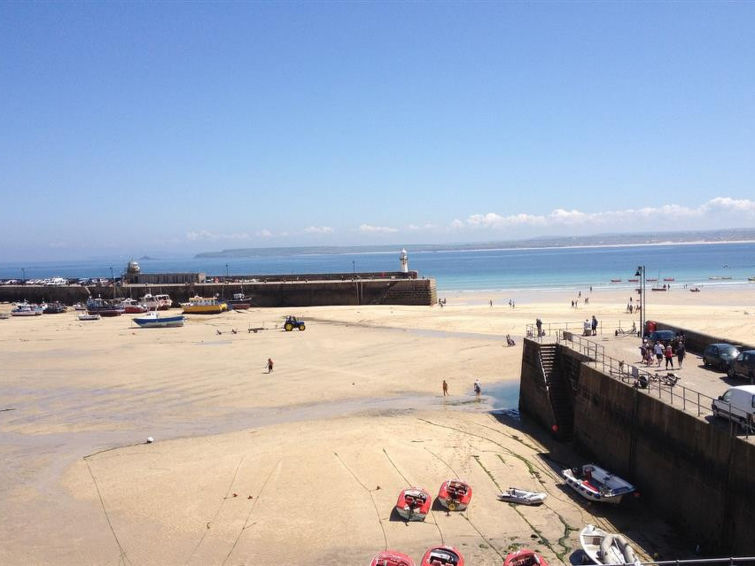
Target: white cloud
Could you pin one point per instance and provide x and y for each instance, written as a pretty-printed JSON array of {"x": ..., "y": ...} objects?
[
  {"x": 206, "y": 235},
  {"x": 415, "y": 227},
  {"x": 377, "y": 229},
  {"x": 264, "y": 233},
  {"x": 319, "y": 230}
]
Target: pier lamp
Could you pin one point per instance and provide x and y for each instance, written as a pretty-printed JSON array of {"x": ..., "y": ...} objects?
[
  {"x": 226, "y": 273},
  {"x": 354, "y": 265},
  {"x": 641, "y": 274}
]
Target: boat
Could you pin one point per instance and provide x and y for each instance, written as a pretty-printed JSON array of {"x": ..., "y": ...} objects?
[
  {"x": 651, "y": 279},
  {"x": 442, "y": 556},
  {"x": 615, "y": 280},
  {"x": 454, "y": 495},
  {"x": 156, "y": 302},
  {"x": 391, "y": 558},
  {"x": 153, "y": 319},
  {"x": 515, "y": 495},
  {"x": 596, "y": 484},
  {"x": 130, "y": 306},
  {"x": 200, "y": 305},
  {"x": 605, "y": 548},
  {"x": 104, "y": 307},
  {"x": 658, "y": 288},
  {"x": 633, "y": 280},
  {"x": 239, "y": 302},
  {"x": 414, "y": 503},
  {"x": 87, "y": 316},
  {"x": 25, "y": 309},
  {"x": 668, "y": 279},
  {"x": 695, "y": 290},
  {"x": 54, "y": 308},
  {"x": 524, "y": 557},
  {"x": 79, "y": 307}
]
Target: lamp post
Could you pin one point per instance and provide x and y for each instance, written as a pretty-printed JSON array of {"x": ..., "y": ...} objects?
[
  {"x": 641, "y": 274},
  {"x": 354, "y": 265},
  {"x": 112, "y": 280}
]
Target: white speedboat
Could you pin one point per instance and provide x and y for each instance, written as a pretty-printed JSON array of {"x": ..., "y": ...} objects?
[
  {"x": 25, "y": 309},
  {"x": 596, "y": 484},
  {"x": 89, "y": 316},
  {"x": 606, "y": 548},
  {"x": 521, "y": 496}
]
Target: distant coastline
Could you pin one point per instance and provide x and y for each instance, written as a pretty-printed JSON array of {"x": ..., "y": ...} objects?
[{"x": 740, "y": 235}]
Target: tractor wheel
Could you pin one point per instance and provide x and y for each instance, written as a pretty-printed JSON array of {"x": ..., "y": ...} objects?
[
  {"x": 301, "y": 327},
  {"x": 289, "y": 327}
]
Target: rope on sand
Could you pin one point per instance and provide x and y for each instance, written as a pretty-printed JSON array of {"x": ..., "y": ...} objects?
[
  {"x": 368, "y": 490},
  {"x": 123, "y": 555},
  {"x": 217, "y": 512}
]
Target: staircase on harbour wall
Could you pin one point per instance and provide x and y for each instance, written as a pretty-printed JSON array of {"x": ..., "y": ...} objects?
[{"x": 559, "y": 392}]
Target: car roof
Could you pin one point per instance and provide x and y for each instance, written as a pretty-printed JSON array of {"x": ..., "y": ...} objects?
[
  {"x": 747, "y": 388},
  {"x": 720, "y": 344}
]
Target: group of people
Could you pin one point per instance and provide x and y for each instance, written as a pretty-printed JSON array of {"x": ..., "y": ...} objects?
[
  {"x": 659, "y": 352},
  {"x": 590, "y": 327},
  {"x": 476, "y": 387}
]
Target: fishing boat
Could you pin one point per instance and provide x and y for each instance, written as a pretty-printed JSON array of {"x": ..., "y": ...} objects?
[
  {"x": 615, "y": 280},
  {"x": 156, "y": 302},
  {"x": 201, "y": 305},
  {"x": 153, "y": 319},
  {"x": 596, "y": 484},
  {"x": 391, "y": 558},
  {"x": 442, "y": 556},
  {"x": 130, "y": 306},
  {"x": 633, "y": 280},
  {"x": 25, "y": 309},
  {"x": 54, "y": 308},
  {"x": 651, "y": 279},
  {"x": 605, "y": 548},
  {"x": 524, "y": 557},
  {"x": 104, "y": 307},
  {"x": 87, "y": 316},
  {"x": 668, "y": 279},
  {"x": 454, "y": 495},
  {"x": 414, "y": 503},
  {"x": 521, "y": 496},
  {"x": 239, "y": 302}
]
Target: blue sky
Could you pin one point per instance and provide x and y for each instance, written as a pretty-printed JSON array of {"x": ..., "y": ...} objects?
[{"x": 147, "y": 128}]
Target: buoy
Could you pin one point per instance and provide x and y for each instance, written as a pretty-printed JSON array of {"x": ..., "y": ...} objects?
[
  {"x": 150, "y": 440},
  {"x": 554, "y": 428}
]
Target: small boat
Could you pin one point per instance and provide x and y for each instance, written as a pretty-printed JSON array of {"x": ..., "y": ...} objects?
[
  {"x": 153, "y": 319},
  {"x": 239, "y": 302},
  {"x": 79, "y": 307},
  {"x": 524, "y": 557},
  {"x": 605, "y": 548},
  {"x": 668, "y": 279},
  {"x": 54, "y": 308},
  {"x": 615, "y": 280},
  {"x": 658, "y": 288},
  {"x": 25, "y": 309},
  {"x": 454, "y": 495},
  {"x": 130, "y": 306},
  {"x": 651, "y": 279},
  {"x": 414, "y": 504},
  {"x": 88, "y": 316},
  {"x": 633, "y": 280},
  {"x": 695, "y": 290},
  {"x": 200, "y": 305},
  {"x": 156, "y": 302},
  {"x": 442, "y": 556},
  {"x": 391, "y": 558},
  {"x": 515, "y": 495},
  {"x": 596, "y": 484},
  {"x": 104, "y": 307}
]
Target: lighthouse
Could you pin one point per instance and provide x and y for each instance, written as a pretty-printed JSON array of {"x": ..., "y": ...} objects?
[{"x": 404, "y": 257}]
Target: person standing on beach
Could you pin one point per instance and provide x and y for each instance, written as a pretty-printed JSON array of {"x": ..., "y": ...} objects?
[
  {"x": 594, "y": 325},
  {"x": 477, "y": 388},
  {"x": 269, "y": 365},
  {"x": 445, "y": 388},
  {"x": 680, "y": 351},
  {"x": 669, "y": 354},
  {"x": 539, "y": 324}
]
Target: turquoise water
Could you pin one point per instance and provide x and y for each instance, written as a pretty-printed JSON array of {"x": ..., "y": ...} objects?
[{"x": 467, "y": 270}]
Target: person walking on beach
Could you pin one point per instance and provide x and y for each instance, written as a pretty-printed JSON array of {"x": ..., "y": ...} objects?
[
  {"x": 445, "y": 388},
  {"x": 269, "y": 365},
  {"x": 669, "y": 354},
  {"x": 594, "y": 325},
  {"x": 680, "y": 351},
  {"x": 658, "y": 350},
  {"x": 477, "y": 388}
]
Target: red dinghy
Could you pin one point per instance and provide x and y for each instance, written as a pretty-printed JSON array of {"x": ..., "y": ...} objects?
[
  {"x": 391, "y": 558},
  {"x": 524, "y": 557},
  {"x": 455, "y": 495},
  {"x": 442, "y": 556},
  {"x": 414, "y": 503}
]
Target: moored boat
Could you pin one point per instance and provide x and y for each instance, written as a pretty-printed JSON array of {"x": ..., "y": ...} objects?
[
  {"x": 239, "y": 302},
  {"x": 156, "y": 302},
  {"x": 454, "y": 495},
  {"x": 87, "y": 316},
  {"x": 442, "y": 556},
  {"x": 391, "y": 558},
  {"x": 668, "y": 278},
  {"x": 25, "y": 309},
  {"x": 521, "y": 496},
  {"x": 104, "y": 307},
  {"x": 596, "y": 484},
  {"x": 414, "y": 504},
  {"x": 201, "y": 305},
  {"x": 130, "y": 306},
  {"x": 606, "y": 548},
  {"x": 524, "y": 557},
  {"x": 154, "y": 320},
  {"x": 615, "y": 280},
  {"x": 651, "y": 279},
  {"x": 54, "y": 308}
]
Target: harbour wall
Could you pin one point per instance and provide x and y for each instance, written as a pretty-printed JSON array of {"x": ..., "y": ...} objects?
[
  {"x": 698, "y": 476},
  {"x": 695, "y": 342},
  {"x": 267, "y": 293}
]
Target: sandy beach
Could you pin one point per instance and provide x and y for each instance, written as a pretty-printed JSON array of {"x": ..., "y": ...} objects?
[{"x": 302, "y": 465}]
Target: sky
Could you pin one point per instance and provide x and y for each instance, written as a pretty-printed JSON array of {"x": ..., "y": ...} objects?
[{"x": 182, "y": 127}]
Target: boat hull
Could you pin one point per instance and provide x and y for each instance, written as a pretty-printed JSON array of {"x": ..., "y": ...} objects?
[
  {"x": 160, "y": 322},
  {"x": 522, "y": 497},
  {"x": 455, "y": 495},
  {"x": 524, "y": 557},
  {"x": 596, "y": 484},
  {"x": 413, "y": 504},
  {"x": 391, "y": 558},
  {"x": 442, "y": 556}
]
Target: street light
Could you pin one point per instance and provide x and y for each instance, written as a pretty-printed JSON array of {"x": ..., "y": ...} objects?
[
  {"x": 641, "y": 273},
  {"x": 354, "y": 265},
  {"x": 226, "y": 273}
]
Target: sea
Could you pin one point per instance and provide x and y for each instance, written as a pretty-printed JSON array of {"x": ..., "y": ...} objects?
[{"x": 493, "y": 270}]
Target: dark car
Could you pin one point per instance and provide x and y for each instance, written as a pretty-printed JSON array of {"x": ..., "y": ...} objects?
[
  {"x": 719, "y": 356},
  {"x": 665, "y": 337},
  {"x": 743, "y": 366}
]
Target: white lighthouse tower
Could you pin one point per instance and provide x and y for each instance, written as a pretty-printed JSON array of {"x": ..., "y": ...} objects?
[{"x": 404, "y": 257}]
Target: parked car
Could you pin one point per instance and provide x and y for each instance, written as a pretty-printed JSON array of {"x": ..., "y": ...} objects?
[
  {"x": 665, "y": 337},
  {"x": 719, "y": 356},
  {"x": 743, "y": 366},
  {"x": 738, "y": 405}
]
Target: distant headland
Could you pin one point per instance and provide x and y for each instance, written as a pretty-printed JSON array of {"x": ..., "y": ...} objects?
[{"x": 635, "y": 239}]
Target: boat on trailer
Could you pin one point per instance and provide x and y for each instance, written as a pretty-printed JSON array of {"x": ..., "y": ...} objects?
[
  {"x": 442, "y": 556},
  {"x": 596, "y": 484},
  {"x": 521, "y": 496},
  {"x": 414, "y": 504},
  {"x": 606, "y": 548},
  {"x": 524, "y": 557},
  {"x": 391, "y": 558},
  {"x": 455, "y": 495}
]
